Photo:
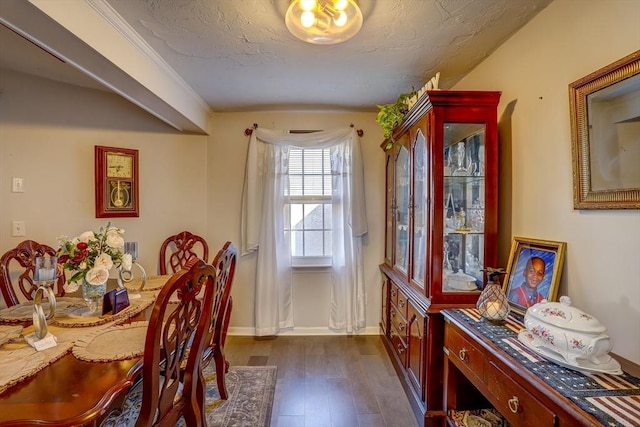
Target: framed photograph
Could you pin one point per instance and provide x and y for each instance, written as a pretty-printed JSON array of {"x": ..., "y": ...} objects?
[
  {"x": 116, "y": 182},
  {"x": 605, "y": 136},
  {"x": 533, "y": 272}
]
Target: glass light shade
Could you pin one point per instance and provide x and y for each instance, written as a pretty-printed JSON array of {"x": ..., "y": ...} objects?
[
  {"x": 493, "y": 303},
  {"x": 324, "y": 21}
]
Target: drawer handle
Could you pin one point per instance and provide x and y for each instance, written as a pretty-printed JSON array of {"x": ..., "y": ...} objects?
[
  {"x": 462, "y": 354},
  {"x": 401, "y": 326},
  {"x": 514, "y": 404},
  {"x": 394, "y": 292},
  {"x": 400, "y": 348},
  {"x": 393, "y": 313},
  {"x": 401, "y": 303}
]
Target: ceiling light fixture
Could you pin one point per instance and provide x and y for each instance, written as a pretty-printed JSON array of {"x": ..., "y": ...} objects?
[{"x": 324, "y": 21}]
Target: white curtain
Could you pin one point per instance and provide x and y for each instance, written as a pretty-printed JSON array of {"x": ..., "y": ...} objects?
[{"x": 263, "y": 203}]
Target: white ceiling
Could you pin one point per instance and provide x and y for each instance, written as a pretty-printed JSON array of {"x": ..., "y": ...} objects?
[{"x": 237, "y": 55}]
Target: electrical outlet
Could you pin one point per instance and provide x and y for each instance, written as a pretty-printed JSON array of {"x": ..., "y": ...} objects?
[
  {"x": 18, "y": 229},
  {"x": 17, "y": 185}
]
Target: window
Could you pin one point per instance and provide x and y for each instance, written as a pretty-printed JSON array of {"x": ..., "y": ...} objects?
[{"x": 308, "y": 215}]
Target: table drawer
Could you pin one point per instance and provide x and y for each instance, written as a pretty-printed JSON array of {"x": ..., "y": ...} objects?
[
  {"x": 516, "y": 404},
  {"x": 464, "y": 351}
]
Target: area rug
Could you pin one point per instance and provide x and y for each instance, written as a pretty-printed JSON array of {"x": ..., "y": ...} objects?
[{"x": 250, "y": 390}]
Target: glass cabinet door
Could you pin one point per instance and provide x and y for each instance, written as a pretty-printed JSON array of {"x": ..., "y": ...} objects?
[
  {"x": 402, "y": 209},
  {"x": 464, "y": 197},
  {"x": 419, "y": 235},
  {"x": 389, "y": 208}
]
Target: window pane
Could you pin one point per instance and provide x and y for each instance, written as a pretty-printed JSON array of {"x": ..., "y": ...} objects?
[
  {"x": 313, "y": 245},
  {"x": 326, "y": 162},
  {"x": 309, "y": 217},
  {"x": 295, "y": 185},
  {"x": 313, "y": 216},
  {"x": 327, "y": 185},
  {"x": 313, "y": 185},
  {"x": 296, "y": 243},
  {"x": 313, "y": 161},
  {"x": 327, "y": 243},
  {"x": 327, "y": 216},
  {"x": 295, "y": 161},
  {"x": 296, "y": 216}
]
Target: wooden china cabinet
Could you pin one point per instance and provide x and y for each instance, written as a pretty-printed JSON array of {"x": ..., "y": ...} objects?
[{"x": 441, "y": 231}]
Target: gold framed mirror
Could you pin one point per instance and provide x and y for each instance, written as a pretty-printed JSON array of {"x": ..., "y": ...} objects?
[{"x": 605, "y": 133}]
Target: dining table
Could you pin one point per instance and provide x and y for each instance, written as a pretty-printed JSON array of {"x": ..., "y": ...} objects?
[{"x": 85, "y": 377}]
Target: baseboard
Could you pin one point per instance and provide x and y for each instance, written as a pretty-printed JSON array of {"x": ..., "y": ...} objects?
[{"x": 247, "y": 331}]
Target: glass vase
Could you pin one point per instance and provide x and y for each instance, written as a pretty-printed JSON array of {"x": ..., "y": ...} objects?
[{"x": 93, "y": 294}]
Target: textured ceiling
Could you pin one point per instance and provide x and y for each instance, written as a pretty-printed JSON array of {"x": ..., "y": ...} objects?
[{"x": 238, "y": 55}]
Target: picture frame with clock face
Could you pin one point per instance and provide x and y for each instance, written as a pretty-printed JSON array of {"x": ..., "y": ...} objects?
[{"x": 116, "y": 182}]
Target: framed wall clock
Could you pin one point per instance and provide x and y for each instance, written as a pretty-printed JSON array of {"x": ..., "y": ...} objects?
[{"x": 116, "y": 182}]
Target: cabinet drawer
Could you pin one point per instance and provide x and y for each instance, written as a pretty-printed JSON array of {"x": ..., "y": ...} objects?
[
  {"x": 514, "y": 402},
  {"x": 399, "y": 322},
  {"x": 399, "y": 345},
  {"x": 402, "y": 304},
  {"x": 393, "y": 294},
  {"x": 465, "y": 352}
]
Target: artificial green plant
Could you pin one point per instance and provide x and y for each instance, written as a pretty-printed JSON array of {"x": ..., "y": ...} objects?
[{"x": 391, "y": 115}]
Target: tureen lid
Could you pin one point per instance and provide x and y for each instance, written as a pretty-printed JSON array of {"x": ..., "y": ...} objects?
[
  {"x": 563, "y": 315},
  {"x": 462, "y": 281},
  {"x": 462, "y": 277}
]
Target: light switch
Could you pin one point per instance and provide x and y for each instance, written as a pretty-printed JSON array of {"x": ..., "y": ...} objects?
[
  {"x": 17, "y": 186},
  {"x": 18, "y": 229}
]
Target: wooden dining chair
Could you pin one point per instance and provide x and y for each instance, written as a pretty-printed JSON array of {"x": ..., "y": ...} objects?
[
  {"x": 225, "y": 264},
  {"x": 173, "y": 384},
  {"x": 19, "y": 263},
  {"x": 176, "y": 250}
]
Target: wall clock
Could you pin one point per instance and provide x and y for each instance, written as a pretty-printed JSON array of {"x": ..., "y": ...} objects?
[{"x": 116, "y": 182}]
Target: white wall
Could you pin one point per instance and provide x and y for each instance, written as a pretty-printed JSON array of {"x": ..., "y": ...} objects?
[
  {"x": 566, "y": 41},
  {"x": 47, "y": 134},
  {"x": 226, "y": 159}
]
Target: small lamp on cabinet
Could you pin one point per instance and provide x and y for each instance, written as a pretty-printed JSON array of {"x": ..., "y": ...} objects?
[{"x": 493, "y": 304}]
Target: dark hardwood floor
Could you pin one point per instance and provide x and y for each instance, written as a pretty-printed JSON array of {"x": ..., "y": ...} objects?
[{"x": 328, "y": 381}]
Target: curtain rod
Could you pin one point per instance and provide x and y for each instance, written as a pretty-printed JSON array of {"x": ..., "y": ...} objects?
[{"x": 249, "y": 131}]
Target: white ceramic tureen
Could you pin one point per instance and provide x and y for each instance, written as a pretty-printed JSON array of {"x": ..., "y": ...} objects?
[{"x": 572, "y": 333}]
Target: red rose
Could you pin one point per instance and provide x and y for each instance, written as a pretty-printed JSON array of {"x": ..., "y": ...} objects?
[
  {"x": 79, "y": 256},
  {"x": 82, "y": 245},
  {"x": 62, "y": 259}
]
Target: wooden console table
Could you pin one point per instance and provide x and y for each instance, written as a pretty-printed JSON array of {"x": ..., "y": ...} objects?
[{"x": 487, "y": 367}]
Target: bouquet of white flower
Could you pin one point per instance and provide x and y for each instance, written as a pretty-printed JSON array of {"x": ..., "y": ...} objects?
[{"x": 91, "y": 256}]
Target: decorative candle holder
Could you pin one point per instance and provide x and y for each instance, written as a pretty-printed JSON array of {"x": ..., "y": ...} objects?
[
  {"x": 493, "y": 304},
  {"x": 127, "y": 276},
  {"x": 39, "y": 317},
  {"x": 45, "y": 273},
  {"x": 45, "y": 270}
]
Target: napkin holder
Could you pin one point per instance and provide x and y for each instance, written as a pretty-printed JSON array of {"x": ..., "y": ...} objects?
[{"x": 115, "y": 301}]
